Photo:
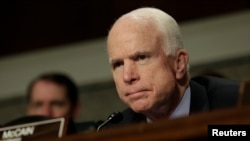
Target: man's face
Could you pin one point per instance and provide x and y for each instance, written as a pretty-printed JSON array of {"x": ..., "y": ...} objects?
[
  {"x": 145, "y": 77},
  {"x": 48, "y": 99}
]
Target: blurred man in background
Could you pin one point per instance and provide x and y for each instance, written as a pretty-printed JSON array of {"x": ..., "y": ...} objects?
[
  {"x": 56, "y": 95},
  {"x": 53, "y": 95}
]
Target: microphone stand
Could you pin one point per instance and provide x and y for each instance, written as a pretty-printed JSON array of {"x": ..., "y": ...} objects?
[{"x": 113, "y": 118}]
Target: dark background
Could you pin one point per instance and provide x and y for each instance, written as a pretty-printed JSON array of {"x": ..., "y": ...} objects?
[{"x": 28, "y": 25}]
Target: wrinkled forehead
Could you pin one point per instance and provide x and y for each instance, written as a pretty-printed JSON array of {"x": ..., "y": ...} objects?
[{"x": 133, "y": 41}]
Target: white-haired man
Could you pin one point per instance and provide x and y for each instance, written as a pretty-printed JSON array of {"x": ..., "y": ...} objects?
[{"x": 150, "y": 69}]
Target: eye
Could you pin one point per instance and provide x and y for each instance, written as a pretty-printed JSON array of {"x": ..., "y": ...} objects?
[
  {"x": 58, "y": 103},
  {"x": 117, "y": 64},
  {"x": 37, "y": 104},
  {"x": 141, "y": 57}
]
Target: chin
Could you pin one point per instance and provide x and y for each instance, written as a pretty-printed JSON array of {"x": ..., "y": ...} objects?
[{"x": 140, "y": 108}]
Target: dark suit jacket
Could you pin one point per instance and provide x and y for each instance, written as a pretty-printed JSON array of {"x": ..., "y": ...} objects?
[{"x": 207, "y": 93}]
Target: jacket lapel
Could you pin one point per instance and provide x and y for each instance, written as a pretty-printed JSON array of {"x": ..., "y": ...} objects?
[{"x": 199, "y": 99}]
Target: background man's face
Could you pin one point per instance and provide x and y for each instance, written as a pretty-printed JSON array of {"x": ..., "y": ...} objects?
[{"x": 48, "y": 99}]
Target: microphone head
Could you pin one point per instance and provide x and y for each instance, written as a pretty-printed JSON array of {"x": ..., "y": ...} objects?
[{"x": 115, "y": 117}]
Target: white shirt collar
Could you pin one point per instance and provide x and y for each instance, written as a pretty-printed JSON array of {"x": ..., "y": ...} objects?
[{"x": 183, "y": 108}]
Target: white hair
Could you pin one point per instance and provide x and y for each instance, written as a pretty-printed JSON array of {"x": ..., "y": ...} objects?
[{"x": 164, "y": 22}]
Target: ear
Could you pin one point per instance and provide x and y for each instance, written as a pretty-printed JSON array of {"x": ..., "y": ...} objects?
[{"x": 181, "y": 63}]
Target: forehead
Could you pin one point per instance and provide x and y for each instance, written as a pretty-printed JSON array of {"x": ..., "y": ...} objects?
[
  {"x": 48, "y": 90},
  {"x": 133, "y": 26},
  {"x": 127, "y": 37}
]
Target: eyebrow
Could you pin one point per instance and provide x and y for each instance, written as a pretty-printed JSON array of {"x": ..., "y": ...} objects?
[
  {"x": 140, "y": 53},
  {"x": 132, "y": 56}
]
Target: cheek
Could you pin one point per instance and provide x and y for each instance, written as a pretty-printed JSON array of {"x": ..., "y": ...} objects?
[
  {"x": 119, "y": 89},
  {"x": 32, "y": 111},
  {"x": 163, "y": 82},
  {"x": 118, "y": 82},
  {"x": 61, "y": 112}
]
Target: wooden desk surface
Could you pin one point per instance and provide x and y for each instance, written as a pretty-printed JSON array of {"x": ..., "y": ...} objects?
[{"x": 193, "y": 127}]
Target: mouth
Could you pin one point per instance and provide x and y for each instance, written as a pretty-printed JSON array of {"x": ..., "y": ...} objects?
[{"x": 136, "y": 93}]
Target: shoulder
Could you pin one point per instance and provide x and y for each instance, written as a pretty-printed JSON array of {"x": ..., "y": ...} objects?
[
  {"x": 221, "y": 92},
  {"x": 215, "y": 82}
]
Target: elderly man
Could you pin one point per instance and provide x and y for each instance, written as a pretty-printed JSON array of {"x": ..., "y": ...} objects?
[{"x": 150, "y": 69}]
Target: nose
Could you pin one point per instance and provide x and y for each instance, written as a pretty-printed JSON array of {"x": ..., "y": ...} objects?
[
  {"x": 46, "y": 111},
  {"x": 130, "y": 74}
]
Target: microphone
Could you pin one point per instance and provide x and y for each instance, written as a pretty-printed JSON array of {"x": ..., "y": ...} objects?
[{"x": 113, "y": 118}]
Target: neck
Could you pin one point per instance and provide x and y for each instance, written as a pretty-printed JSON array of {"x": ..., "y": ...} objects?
[{"x": 166, "y": 108}]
